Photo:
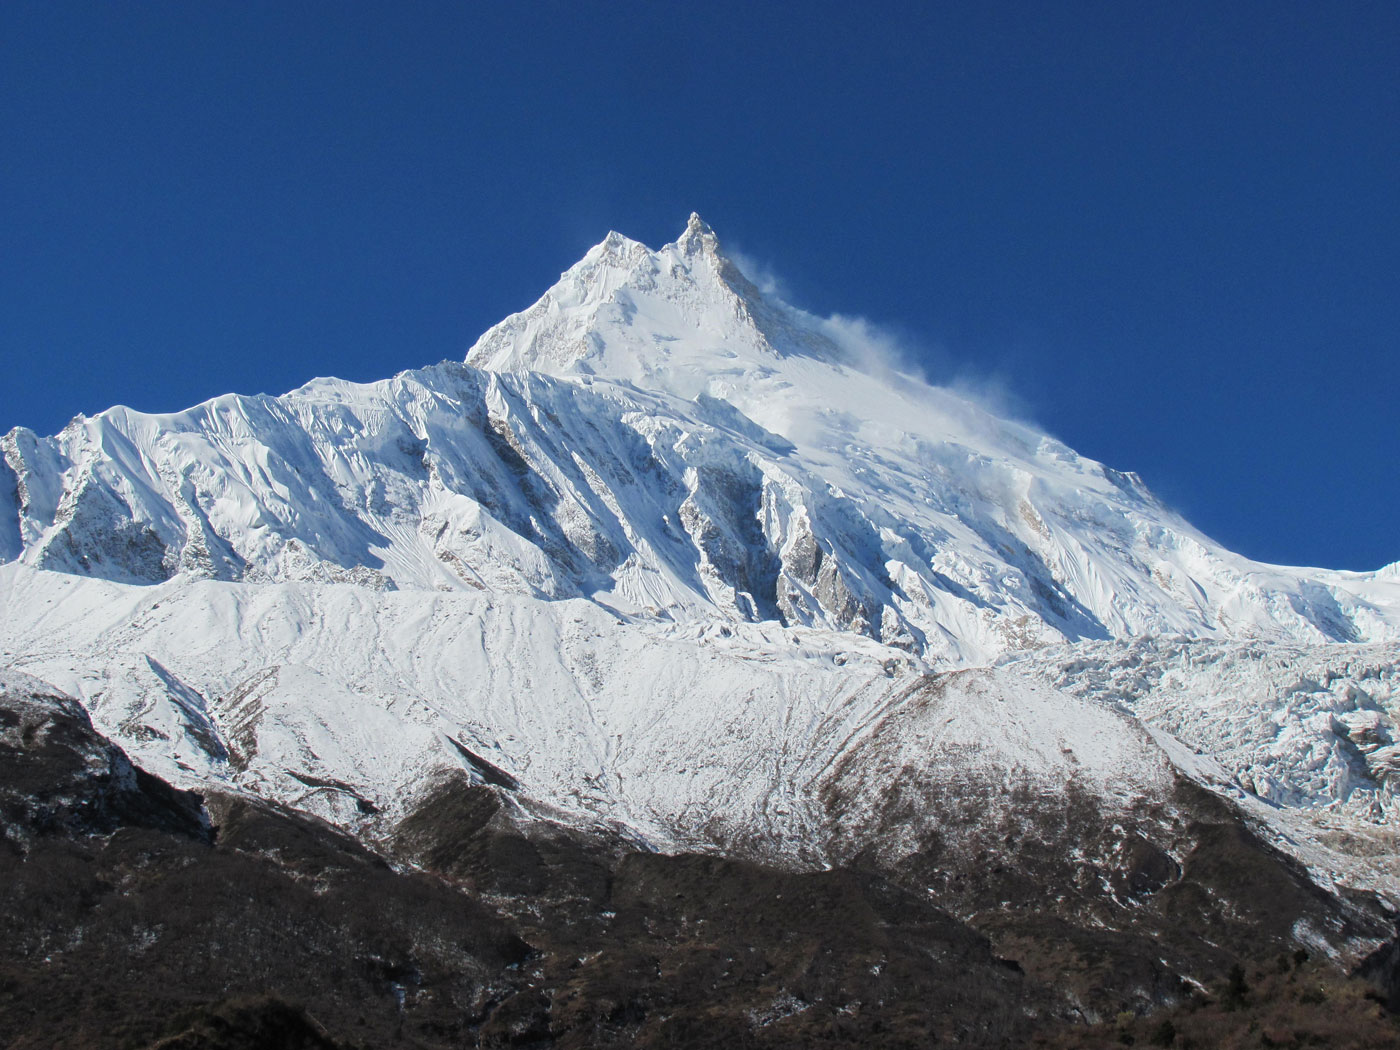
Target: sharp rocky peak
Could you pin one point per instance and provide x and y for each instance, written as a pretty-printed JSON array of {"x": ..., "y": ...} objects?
[
  {"x": 697, "y": 237},
  {"x": 628, "y": 311},
  {"x": 697, "y": 244}
]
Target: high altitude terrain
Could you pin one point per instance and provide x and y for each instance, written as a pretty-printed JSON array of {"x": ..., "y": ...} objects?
[{"x": 669, "y": 569}]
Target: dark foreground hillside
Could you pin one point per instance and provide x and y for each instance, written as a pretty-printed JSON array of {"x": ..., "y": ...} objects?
[{"x": 134, "y": 915}]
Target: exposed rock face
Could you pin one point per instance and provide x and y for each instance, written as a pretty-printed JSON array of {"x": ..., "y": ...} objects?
[
  {"x": 135, "y": 911},
  {"x": 62, "y": 779},
  {"x": 127, "y": 903}
]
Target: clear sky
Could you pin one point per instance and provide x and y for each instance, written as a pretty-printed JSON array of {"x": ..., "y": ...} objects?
[{"x": 1170, "y": 230}]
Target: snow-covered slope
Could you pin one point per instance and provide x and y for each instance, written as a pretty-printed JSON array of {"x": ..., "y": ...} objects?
[
  {"x": 670, "y": 554},
  {"x": 806, "y": 746},
  {"x": 657, "y": 436},
  {"x": 347, "y": 702}
]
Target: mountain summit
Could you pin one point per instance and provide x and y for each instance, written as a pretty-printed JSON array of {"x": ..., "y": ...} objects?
[
  {"x": 698, "y": 236},
  {"x": 669, "y": 554},
  {"x": 896, "y": 508},
  {"x": 669, "y": 319}
]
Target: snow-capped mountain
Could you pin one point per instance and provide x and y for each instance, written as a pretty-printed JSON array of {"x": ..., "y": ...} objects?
[
  {"x": 670, "y": 554},
  {"x": 657, "y": 436}
]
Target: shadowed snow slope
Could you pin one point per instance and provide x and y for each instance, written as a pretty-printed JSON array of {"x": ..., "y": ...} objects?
[{"x": 671, "y": 555}]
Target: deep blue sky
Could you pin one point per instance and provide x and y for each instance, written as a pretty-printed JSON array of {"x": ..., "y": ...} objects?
[{"x": 1172, "y": 230}]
